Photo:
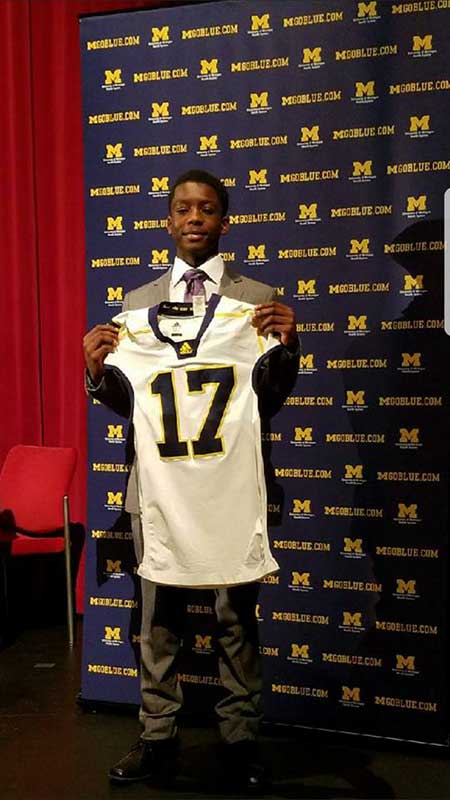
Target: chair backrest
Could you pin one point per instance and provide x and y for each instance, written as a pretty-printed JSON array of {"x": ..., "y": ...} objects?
[{"x": 33, "y": 481}]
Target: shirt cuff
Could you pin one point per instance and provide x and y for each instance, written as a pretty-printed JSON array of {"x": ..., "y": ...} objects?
[
  {"x": 293, "y": 351},
  {"x": 90, "y": 385}
]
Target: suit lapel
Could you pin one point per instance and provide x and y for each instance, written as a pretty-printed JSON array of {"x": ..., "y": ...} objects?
[
  {"x": 161, "y": 289},
  {"x": 231, "y": 284}
]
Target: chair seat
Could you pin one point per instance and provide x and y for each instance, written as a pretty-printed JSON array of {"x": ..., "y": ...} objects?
[{"x": 22, "y": 545}]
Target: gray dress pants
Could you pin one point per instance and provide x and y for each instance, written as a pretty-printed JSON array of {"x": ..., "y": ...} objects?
[{"x": 162, "y": 626}]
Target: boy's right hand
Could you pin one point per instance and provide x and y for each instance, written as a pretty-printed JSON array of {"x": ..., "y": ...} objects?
[{"x": 97, "y": 343}]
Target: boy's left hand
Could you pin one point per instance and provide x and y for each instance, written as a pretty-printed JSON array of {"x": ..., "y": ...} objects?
[{"x": 276, "y": 318}]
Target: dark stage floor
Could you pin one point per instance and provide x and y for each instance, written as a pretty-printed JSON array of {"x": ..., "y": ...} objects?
[{"x": 51, "y": 749}]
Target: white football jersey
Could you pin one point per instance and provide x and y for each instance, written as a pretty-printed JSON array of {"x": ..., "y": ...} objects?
[{"x": 197, "y": 430}]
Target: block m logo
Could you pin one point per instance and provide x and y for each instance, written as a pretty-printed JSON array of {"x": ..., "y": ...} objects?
[
  {"x": 352, "y": 619},
  {"x": 352, "y": 545},
  {"x": 255, "y": 176},
  {"x": 405, "y": 662},
  {"x": 114, "y": 223},
  {"x": 310, "y": 134},
  {"x": 113, "y": 566},
  {"x": 421, "y": 43},
  {"x": 355, "y": 471},
  {"x": 416, "y": 203},
  {"x": 365, "y": 89},
  {"x": 307, "y": 361},
  {"x": 301, "y": 579},
  {"x": 412, "y": 283},
  {"x": 351, "y": 694},
  {"x": 160, "y": 184},
  {"x": 114, "y": 293},
  {"x": 209, "y": 67},
  {"x": 407, "y": 512},
  {"x": 114, "y": 498},
  {"x": 256, "y": 252},
  {"x": 367, "y": 9},
  {"x": 208, "y": 142},
  {"x": 260, "y": 100},
  {"x": 307, "y": 212},
  {"x": 357, "y": 323},
  {"x": 303, "y": 434},
  {"x": 299, "y": 650},
  {"x": 112, "y": 634},
  {"x": 115, "y": 431},
  {"x": 203, "y": 642},
  {"x": 357, "y": 246},
  {"x": 160, "y": 109},
  {"x": 419, "y": 123},
  {"x": 261, "y": 23},
  {"x": 113, "y": 76},
  {"x": 306, "y": 287},
  {"x": 160, "y": 34},
  {"x": 406, "y": 587},
  {"x": 160, "y": 257},
  {"x": 362, "y": 168},
  {"x": 301, "y": 506},
  {"x": 312, "y": 55},
  {"x": 411, "y": 359},
  {"x": 411, "y": 436},
  {"x": 114, "y": 150},
  {"x": 355, "y": 398}
]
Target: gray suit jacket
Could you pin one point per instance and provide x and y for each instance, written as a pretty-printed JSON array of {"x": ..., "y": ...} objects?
[{"x": 233, "y": 285}]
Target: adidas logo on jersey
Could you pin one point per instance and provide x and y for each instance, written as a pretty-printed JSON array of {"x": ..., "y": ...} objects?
[{"x": 185, "y": 349}]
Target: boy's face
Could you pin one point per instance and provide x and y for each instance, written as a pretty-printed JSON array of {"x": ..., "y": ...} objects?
[{"x": 195, "y": 222}]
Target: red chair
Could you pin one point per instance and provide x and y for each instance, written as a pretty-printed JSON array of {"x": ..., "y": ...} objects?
[{"x": 34, "y": 509}]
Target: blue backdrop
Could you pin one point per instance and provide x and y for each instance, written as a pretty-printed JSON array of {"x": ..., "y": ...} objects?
[{"x": 329, "y": 125}]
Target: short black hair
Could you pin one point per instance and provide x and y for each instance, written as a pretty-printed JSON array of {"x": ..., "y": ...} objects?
[{"x": 201, "y": 176}]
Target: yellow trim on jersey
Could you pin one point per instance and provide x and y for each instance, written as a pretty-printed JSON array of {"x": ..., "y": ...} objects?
[
  {"x": 234, "y": 314},
  {"x": 125, "y": 331},
  {"x": 260, "y": 342}
]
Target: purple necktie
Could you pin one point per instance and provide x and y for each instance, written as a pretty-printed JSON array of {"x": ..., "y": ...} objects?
[{"x": 194, "y": 284}]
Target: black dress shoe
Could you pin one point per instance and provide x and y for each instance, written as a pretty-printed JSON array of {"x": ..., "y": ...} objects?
[
  {"x": 146, "y": 760},
  {"x": 254, "y": 779},
  {"x": 245, "y": 770}
]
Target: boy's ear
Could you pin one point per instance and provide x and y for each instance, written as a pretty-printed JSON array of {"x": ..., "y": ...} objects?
[{"x": 225, "y": 225}]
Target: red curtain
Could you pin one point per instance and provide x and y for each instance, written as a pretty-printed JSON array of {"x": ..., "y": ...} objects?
[{"x": 42, "y": 292}]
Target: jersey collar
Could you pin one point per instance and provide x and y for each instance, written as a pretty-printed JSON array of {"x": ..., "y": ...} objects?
[{"x": 188, "y": 348}]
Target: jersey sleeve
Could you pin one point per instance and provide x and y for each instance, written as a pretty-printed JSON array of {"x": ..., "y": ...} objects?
[
  {"x": 274, "y": 376},
  {"x": 118, "y": 380}
]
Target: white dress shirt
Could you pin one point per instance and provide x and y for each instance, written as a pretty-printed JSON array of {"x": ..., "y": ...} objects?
[{"x": 214, "y": 268}]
